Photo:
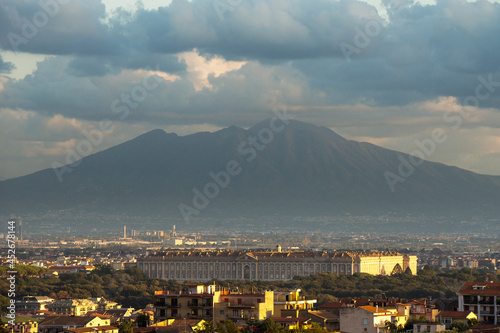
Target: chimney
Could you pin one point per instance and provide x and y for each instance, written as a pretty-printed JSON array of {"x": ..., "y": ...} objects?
[{"x": 278, "y": 248}]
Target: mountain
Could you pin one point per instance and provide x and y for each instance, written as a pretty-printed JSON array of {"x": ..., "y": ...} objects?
[{"x": 297, "y": 168}]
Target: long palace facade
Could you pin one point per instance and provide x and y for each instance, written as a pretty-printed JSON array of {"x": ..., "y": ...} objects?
[{"x": 197, "y": 265}]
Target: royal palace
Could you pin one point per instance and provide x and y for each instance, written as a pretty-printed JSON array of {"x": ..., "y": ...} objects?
[{"x": 270, "y": 265}]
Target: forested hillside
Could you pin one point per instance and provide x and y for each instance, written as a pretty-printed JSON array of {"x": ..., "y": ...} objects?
[{"x": 131, "y": 289}]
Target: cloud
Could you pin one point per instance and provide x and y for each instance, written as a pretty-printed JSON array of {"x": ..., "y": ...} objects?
[
  {"x": 233, "y": 67},
  {"x": 5, "y": 67}
]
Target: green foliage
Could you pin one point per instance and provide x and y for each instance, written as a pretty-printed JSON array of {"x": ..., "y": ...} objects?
[
  {"x": 317, "y": 328},
  {"x": 472, "y": 322},
  {"x": 459, "y": 326},
  {"x": 207, "y": 327},
  {"x": 227, "y": 327},
  {"x": 132, "y": 289},
  {"x": 142, "y": 320},
  {"x": 270, "y": 326},
  {"x": 409, "y": 323},
  {"x": 126, "y": 327}
]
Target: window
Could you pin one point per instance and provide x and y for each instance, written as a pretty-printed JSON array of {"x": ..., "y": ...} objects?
[
  {"x": 365, "y": 321},
  {"x": 221, "y": 312}
]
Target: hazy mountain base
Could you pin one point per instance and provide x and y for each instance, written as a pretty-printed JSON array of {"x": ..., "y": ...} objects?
[{"x": 304, "y": 171}]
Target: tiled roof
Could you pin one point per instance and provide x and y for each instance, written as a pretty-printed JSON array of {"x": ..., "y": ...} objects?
[
  {"x": 478, "y": 288},
  {"x": 66, "y": 320},
  {"x": 454, "y": 314},
  {"x": 274, "y": 254},
  {"x": 93, "y": 329},
  {"x": 373, "y": 309}
]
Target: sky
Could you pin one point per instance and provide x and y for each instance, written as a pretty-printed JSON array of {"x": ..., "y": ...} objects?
[{"x": 80, "y": 76}]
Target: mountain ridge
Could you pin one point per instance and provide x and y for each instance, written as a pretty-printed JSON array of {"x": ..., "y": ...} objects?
[{"x": 300, "y": 169}]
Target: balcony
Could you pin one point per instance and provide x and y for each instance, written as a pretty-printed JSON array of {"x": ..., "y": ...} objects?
[
  {"x": 241, "y": 306},
  {"x": 470, "y": 300},
  {"x": 487, "y": 301}
]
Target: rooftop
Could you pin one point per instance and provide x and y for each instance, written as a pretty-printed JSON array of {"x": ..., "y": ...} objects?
[{"x": 477, "y": 288}]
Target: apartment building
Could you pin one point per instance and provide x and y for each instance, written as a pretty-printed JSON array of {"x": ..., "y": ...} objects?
[
  {"x": 481, "y": 298},
  {"x": 368, "y": 319},
  {"x": 33, "y": 303},
  {"x": 72, "y": 307},
  {"x": 210, "y": 303}
]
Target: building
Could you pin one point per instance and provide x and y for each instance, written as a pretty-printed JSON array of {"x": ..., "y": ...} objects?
[
  {"x": 270, "y": 265},
  {"x": 119, "y": 315},
  {"x": 368, "y": 319},
  {"x": 99, "y": 329},
  {"x": 422, "y": 309},
  {"x": 291, "y": 301},
  {"x": 72, "y": 307},
  {"x": 447, "y": 318},
  {"x": 481, "y": 298},
  {"x": 428, "y": 327},
  {"x": 239, "y": 307},
  {"x": 196, "y": 303},
  {"x": 71, "y": 269},
  {"x": 55, "y": 324},
  {"x": 103, "y": 304},
  {"x": 33, "y": 303},
  {"x": 323, "y": 318},
  {"x": 293, "y": 323},
  {"x": 22, "y": 324},
  {"x": 208, "y": 303}
]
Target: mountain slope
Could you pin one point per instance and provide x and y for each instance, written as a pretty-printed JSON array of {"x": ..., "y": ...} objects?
[{"x": 303, "y": 169}]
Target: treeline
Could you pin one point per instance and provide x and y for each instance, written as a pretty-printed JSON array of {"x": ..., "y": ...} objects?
[{"x": 132, "y": 289}]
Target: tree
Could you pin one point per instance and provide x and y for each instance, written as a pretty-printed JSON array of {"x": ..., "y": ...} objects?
[
  {"x": 472, "y": 322},
  {"x": 227, "y": 327},
  {"x": 270, "y": 326},
  {"x": 142, "y": 320},
  {"x": 126, "y": 327},
  {"x": 207, "y": 327},
  {"x": 317, "y": 328},
  {"x": 392, "y": 327},
  {"x": 459, "y": 326}
]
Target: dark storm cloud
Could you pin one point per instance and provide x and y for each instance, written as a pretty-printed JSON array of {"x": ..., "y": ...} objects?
[
  {"x": 421, "y": 53},
  {"x": 5, "y": 67}
]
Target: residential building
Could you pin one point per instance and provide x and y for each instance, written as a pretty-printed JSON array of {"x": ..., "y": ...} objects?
[
  {"x": 270, "y": 265},
  {"x": 449, "y": 317},
  {"x": 481, "y": 298},
  {"x": 33, "y": 303},
  {"x": 293, "y": 323},
  {"x": 103, "y": 304},
  {"x": 240, "y": 307},
  {"x": 325, "y": 319},
  {"x": 485, "y": 328},
  {"x": 422, "y": 309},
  {"x": 208, "y": 303},
  {"x": 22, "y": 324},
  {"x": 72, "y": 307},
  {"x": 428, "y": 327},
  {"x": 291, "y": 300},
  {"x": 119, "y": 315},
  {"x": 55, "y": 324},
  {"x": 99, "y": 329},
  {"x": 196, "y": 303},
  {"x": 368, "y": 319},
  {"x": 71, "y": 269}
]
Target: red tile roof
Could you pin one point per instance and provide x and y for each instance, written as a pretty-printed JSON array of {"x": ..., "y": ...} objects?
[
  {"x": 478, "y": 288},
  {"x": 453, "y": 314}
]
